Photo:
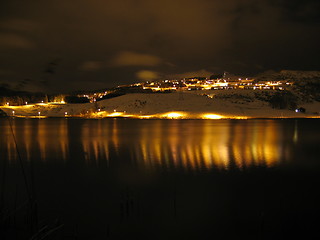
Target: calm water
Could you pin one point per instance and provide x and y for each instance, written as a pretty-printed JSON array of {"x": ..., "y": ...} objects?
[{"x": 163, "y": 179}]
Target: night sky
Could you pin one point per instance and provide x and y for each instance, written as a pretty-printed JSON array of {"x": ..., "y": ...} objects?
[{"x": 65, "y": 45}]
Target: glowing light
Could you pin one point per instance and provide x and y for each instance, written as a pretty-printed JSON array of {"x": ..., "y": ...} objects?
[
  {"x": 145, "y": 116},
  {"x": 173, "y": 115},
  {"x": 66, "y": 113},
  {"x": 115, "y": 114},
  {"x": 212, "y": 116},
  {"x": 240, "y": 117}
]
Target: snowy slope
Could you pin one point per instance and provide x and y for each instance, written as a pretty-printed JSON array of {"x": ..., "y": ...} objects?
[{"x": 191, "y": 104}]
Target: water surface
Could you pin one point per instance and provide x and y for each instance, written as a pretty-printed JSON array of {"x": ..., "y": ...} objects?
[{"x": 166, "y": 179}]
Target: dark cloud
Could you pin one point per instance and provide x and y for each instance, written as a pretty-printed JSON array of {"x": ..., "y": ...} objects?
[
  {"x": 299, "y": 11},
  {"x": 18, "y": 25},
  {"x": 91, "y": 66},
  {"x": 199, "y": 73},
  {"x": 15, "y": 41},
  {"x": 110, "y": 42},
  {"x": 146, "y": 75},
  {"x": 127, "y": 58}
]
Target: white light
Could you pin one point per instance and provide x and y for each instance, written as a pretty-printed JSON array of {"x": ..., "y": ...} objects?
[
  {"x": 115, "y": 114},
  {"x": 173, "y": 115},
  {"x": 212, "y": 116}
]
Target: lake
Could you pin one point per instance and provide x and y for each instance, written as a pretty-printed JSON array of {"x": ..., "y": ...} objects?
[{"x": 160, "y": 179}]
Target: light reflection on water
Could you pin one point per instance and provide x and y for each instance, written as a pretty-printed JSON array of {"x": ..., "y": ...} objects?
[{"x": 190, "y": 144}]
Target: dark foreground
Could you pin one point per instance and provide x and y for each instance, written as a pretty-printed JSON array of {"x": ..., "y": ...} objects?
[{"x": 160, "y": 179}]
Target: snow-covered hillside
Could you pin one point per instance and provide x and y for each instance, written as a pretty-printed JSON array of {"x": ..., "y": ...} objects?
[{"x": 228, "y": 104}]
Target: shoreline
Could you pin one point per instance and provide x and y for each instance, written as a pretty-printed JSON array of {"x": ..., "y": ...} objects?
[
  {"x": 160, "y": 106},
  {"x": 159, "y": 118}
]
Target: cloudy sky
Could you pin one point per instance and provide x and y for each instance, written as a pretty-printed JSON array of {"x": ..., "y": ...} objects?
[{"x": 65, "y": 45}]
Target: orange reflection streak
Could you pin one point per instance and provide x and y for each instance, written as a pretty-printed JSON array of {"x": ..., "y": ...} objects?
[
  {"x": 241, "y": 145},
  {"x": 210, "y": 145},
  {"x": 35, "y": 140},
  {"x": 273, "y": 149},
  {"x": 146, "y": 148},
  {"x": 85, "y": 144},
  {"x": 215, "y": 140},
  {"x": 157, "y": 143},
  {"x": 11, "y": 150},
  {"x": 173, "y": 143},
  {"x": 64, "y": 139},
  {"x": 115, "y": 134},
  {"x": 42, "y": 139},
  {"x": 96, "y": 140},
  {"x": 189, "y": 144},
  {"x": 28, "y": 139}
]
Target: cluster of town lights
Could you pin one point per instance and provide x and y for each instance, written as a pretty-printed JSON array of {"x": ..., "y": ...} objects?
[{"x": 35, "y": 104}]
